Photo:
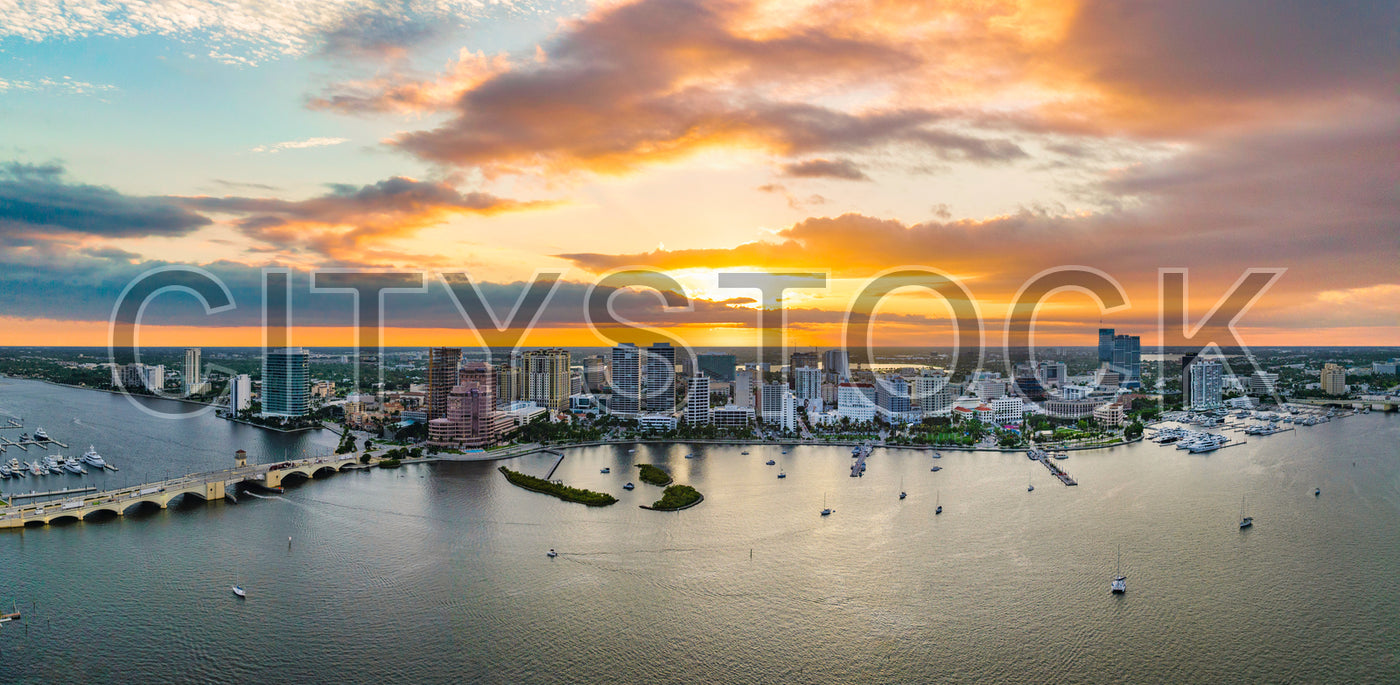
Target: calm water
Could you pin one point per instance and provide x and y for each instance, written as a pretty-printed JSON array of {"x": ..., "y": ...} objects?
[{"x": 437, "y": 572}]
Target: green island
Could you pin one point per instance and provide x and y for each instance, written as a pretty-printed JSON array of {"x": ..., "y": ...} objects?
[
  {"x": 677, "y": 497},
  {"x": 564, "y": 492},
  {"x": 654, "y": 474}
]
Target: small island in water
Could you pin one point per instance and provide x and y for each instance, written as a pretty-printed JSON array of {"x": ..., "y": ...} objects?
[
  {"x": 564, "y": 492},
  {"x": 653, "y": 474},
  {"x": 677, "y": 497}
]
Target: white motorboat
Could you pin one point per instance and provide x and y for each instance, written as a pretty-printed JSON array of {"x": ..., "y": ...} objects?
[
  {"x": 551, "y": 553},
  {"x": 40, "y": 435},
  {"x": 71, "y": 465},
  {"x": 93, "y": 459}
]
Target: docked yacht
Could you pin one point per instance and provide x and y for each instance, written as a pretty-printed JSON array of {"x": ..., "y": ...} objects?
[
  {"x": 71, "y": 465},
  {"x": 40, "y": 435},
  {"x": 38, "y": 469},
  {"x": 93, "y": 459}
]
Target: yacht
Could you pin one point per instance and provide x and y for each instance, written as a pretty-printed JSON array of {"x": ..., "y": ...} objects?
[
  {"x": 770, "y": 462},
  {"x": 628, "y": 486},
  {"x": 1062, "y": 455},
  {"x": 14, "y": 464},
  {"x": 52, "y": 465},
  {"x": 37, "y": 469},
  {"x": 40, "y": 435},
  {"x": 782, "y": 474},
  {"x": 93, "y": 459},
  {"x": 1245, "y": 521},
  {"x": 937, "y": 500},
  {"x": 1120, "y": 582},
  {"x": 71, "y": 465},
  {"x": 605, "y": 469},
  {"x": 551, "y": 553},
  {"x": 5, "y": 472}
]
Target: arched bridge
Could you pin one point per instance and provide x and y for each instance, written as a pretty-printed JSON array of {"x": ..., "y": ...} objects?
[{"x": 204, "y": 486}]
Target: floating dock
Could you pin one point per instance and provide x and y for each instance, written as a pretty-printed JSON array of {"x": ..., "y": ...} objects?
[{"x": 52, "y": 493}]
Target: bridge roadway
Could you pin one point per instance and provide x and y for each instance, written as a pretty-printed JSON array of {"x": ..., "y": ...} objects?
[{"x": 206, "y": 486}]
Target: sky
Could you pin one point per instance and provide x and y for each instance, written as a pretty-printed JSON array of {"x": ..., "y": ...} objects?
[{"x": 489, "y": 140}]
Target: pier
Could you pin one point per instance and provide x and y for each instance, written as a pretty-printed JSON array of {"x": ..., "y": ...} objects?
[
  {"x": 858, "y": 467},
  {"x": 51, "y": 493},
  {"x": 1040, "y": 455}
]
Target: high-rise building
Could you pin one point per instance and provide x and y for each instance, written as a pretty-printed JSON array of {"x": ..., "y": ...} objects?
[
  {"x": 471, "y": 419},
  {"x": 643, "y": 379},
  {"x": 1334, "y": 379},
  {"x": 697, "y": 400},
  {"x": 1206, "y": 378},
  {"x": 800, "y": 360},
  {"x": 286, "y": 382},
  {"x": 1105, "y": 347},
  {"x": 770, "y": 401},
  {"x": 546, "y": 378},
  {"x": 1053, "y": 374},
  {"x": 836, "y": 365},
  {"x": 595, "y": 373},
  {"x": 442, "y": 377},
  {"x": 1127, "y": 359},
  {"x": 931, "y": 393},
  {"x": 853, "y": 401},
  {"x": 1121, "y": 354},
  {"x": 745, "y": 382},
  {"x": 659, "y": 383},
  {"x": 193, "y": 378},
  {"x": 626, "y": 379},
  {"x": 138, "y": 376},
  {"x": 1186, "y": 361},
  {"x": 480, "y": 374},
  {"x": 240, "y": 392},
  {"x": 717, "y": 365},
  {"x": 807, "y": 382}
]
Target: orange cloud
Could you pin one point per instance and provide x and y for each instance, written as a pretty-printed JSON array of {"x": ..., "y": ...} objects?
[{"x": 350, "y": 223}]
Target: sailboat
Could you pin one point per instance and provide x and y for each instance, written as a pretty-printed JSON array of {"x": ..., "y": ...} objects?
[
  {"x": 1245, "y": 521},
  {"x": 826, "y": 511},
  {"x": 238, "y": 590},
  {"x": 1030, "y": 487},
  {"x": 902, "y": 493},
  {"x": 939, "y": 509},
  {"x": 1120, "y": 581}
]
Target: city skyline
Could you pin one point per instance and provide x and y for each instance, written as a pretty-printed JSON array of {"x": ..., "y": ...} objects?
[{"x": 844, "y": 138}]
